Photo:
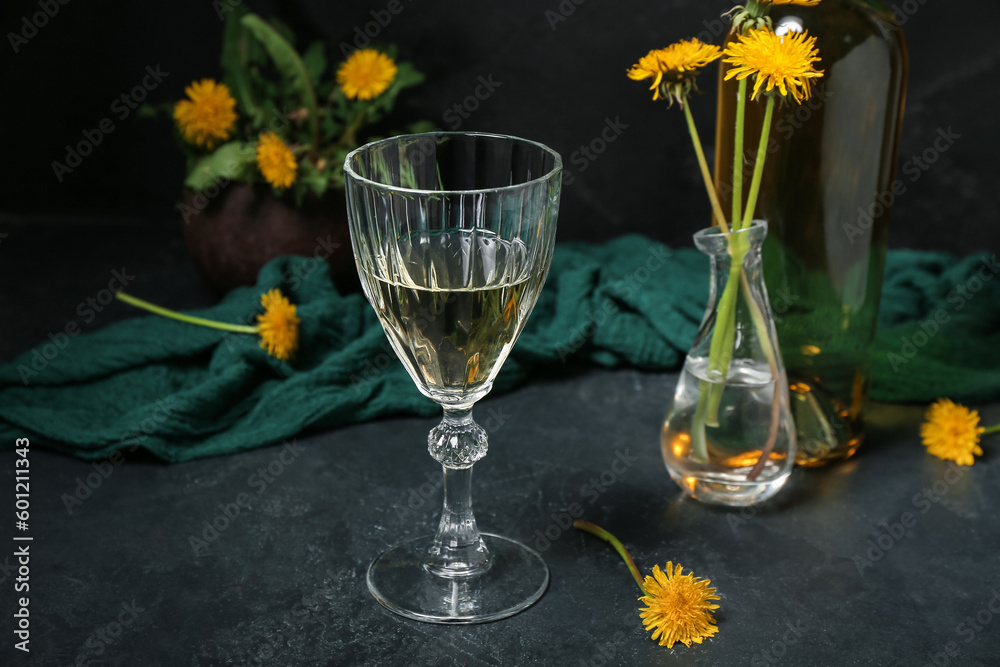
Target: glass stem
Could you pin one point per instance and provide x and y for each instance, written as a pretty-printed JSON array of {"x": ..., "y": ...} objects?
[{"x": 458, "y": 550}]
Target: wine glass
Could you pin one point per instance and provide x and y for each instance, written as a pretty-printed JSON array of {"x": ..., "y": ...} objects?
[{"x": 453, "y": 236}]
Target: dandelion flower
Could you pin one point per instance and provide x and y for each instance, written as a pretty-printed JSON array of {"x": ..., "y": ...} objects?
[
  {"x": 678, "y": 607},
  {"x": 366, "y": 74},
  {"x": 208, "y": 115},
  {"x": 784, "y": 62},
  {"x": 278, "y": 325},
  {"x": 951, "y": 432},
  {"x": 801, "y": 3},
  {"x": 675, "y": 67},
  {"x": 276, "y": 160}
]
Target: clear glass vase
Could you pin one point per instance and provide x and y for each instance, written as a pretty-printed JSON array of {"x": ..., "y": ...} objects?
[
  {"x": 729, "y": 438},
  {"x": 827, "y": 193}
]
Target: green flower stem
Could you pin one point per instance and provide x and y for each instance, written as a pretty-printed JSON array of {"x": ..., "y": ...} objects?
[
  {"x": 180, "y": 317},
  {"x": 758, "y": 169},
  {"x": 700, "y": 152},
  {"x": 741, "y": 108},
  {"x": 992, "y": 429},
  {"x": 720, "y": 353},
  {"x": 699, "y": 444},
  {"x": 348, "y": 138},
  {"x": 764, "y": 336},
  {"x": 588, "y": 527},
  {"x": 719, "y": 357}
]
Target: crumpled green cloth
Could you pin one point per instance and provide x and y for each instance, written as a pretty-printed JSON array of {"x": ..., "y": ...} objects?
[{"x": 183, "y": 391}]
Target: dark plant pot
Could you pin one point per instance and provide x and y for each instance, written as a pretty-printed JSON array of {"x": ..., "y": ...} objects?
[{"x": 232, "y": 235}]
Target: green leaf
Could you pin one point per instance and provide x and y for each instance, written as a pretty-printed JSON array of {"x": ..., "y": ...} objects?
[
  {"x": 315, "y": 61},
  {"x": 236, "y": 57},
  {"x": 283, "y": 29},
  {"x": 288, "y": 62},
  {"x": 315, "y": 180},
  {"x": 407, "y": 76},
  {"x": 420, "y": 127},
  {"x": 230, "y": 161},
  {"x": 331, "y": 128},
  {"x": 153, "y": 110}
]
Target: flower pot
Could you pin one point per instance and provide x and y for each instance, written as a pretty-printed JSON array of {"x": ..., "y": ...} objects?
[{"x": 232, "y": 235}]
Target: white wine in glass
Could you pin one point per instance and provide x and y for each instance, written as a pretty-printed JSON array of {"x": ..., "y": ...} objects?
[{"x": 453, "y": 236}]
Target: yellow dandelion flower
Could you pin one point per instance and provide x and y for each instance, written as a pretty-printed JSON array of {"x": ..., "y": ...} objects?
[
  {"x": 784, "y": 62},
  {"x": 366, "y": 74},
  {"x": 801, "y": 3},
  {"x": 278, "y": 325},
  {"x": 276, "y": 160},
  {"x": 208, "y": 115},
  {"x": 674, "y": 68},
  {"x": 951, "y": 432},
  {"x": 678, "y": 607}
]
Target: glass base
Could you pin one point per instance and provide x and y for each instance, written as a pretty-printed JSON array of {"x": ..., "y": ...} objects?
[
  {"x": 515, "y": 580},
  {"x": 730, "y": 489}
]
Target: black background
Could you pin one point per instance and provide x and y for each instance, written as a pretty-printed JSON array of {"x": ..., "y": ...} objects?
[{"x": 557, "y": 86}]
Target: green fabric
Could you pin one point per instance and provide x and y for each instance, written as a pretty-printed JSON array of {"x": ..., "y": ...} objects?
[{"x": 184, "y": 391}]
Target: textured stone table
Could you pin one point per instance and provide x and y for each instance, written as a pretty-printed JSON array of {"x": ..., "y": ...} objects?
[
  {"x": 825, "y": 574},
  {"x": 815, "y": 577}
]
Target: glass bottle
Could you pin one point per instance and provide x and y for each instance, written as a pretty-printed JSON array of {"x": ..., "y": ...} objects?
[
  {"x": 826, "y": 194},
  {"x": 741, "y": 451}
]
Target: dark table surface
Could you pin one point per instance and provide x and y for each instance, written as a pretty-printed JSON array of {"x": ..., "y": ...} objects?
[{"x": 825, "y": 574}]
